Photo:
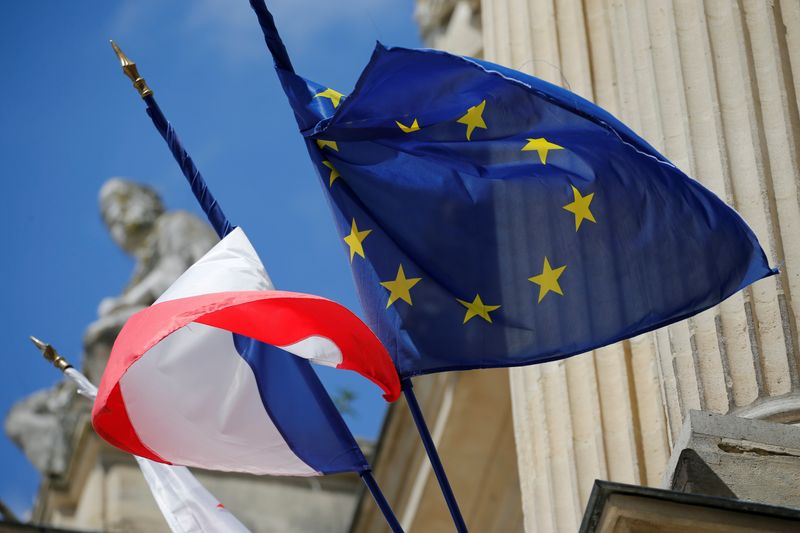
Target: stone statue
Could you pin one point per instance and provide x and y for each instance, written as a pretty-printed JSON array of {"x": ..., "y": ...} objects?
[
  {"x": 37, "y": 425},
  {"x": 164, "y": 245}
]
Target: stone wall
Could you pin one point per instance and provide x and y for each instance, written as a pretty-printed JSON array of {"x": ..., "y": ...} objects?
[
  {"x": 469, "y": 415},
  {"x": 714, "y": 86},
  {"x": 452, "y": 25},
  {"x": 102, "y": 489}
]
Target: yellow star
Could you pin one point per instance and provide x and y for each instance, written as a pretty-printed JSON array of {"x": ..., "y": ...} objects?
[
  {"x": 355, "y": 239},
  {"x": 400, "y": 287},
  {"x": 542, "y": 146},
  {"x": 335, "y": 173},
  {"x": 548, "y": 279},
  {"x": 408, "y": 129},
  {"x": 473, "y": 119},
  {"x": 330, "y": 144},
  {"x": 335, "y": 96},
  {"x": 580, "y": 207},
  {"x": 477, "y": 308}
]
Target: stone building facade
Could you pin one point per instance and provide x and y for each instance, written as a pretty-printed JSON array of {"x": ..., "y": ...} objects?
[
  {"x": 102, "y": 489},
  {"x": 715, "y": 86}
]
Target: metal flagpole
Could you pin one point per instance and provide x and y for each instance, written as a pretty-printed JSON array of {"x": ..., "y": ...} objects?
[
  {"x": 282, "y": 61},
  {"x": 204, "y": 197},
  {"x": 433, "y": 455},
  {"x": 180, "y": 497},
  {"x": 214, "y": 212},
  {"x": 380, "y": 499}
]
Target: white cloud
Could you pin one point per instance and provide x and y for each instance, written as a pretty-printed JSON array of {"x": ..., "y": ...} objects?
[
  {"x": 128, "y": 16},
  {"x": 228, "y": 25},
  {"x": 302, "y": 16}
]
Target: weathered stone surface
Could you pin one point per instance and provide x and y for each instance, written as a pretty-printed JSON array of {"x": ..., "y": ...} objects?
[
  {"x": 729, "y": 456},
  {"x": 619, "y": 508},
  {"x": 714, "y": 86},
  {"x": 35, "y": 425},
  {"x": 469, "y": 414},
  {"x": 452, "y": 25}
]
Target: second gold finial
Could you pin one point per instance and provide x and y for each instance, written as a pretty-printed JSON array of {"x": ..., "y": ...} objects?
[{"x": 51, "y": 354}]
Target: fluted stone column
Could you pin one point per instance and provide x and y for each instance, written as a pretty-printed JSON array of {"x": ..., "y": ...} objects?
[{"x": 713, "y": 85}]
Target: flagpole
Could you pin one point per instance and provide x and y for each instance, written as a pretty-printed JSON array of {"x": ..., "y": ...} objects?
[
  {"x": 433, "y": 454},
  {"x": 213, "y": 210},
  {"x": 85, "y": 387},
  {"x": 179, "y": 495},
  {"x": 204, "y": 197},
  {"x": 282, "y": 61},
  {"x": 380, "y": 500}
]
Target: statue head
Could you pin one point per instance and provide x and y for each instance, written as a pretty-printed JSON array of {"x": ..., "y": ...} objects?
[{"x": 129, "y": 211}]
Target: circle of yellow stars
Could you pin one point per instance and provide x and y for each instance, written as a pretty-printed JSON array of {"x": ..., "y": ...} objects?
[{"x": 400, "y": 287}]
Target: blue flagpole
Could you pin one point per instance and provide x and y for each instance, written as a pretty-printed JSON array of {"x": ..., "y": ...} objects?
[
  {"x": 217, "y": 217},
  {"x": 433, "y": 455},
  {"x": 380, "y": 500},
  {"x": 204, "y": 197},
  {"x": 281, "y": 58}
]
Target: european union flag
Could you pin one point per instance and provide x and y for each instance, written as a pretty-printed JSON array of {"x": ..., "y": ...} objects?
[{"x": 493, "y": 219}]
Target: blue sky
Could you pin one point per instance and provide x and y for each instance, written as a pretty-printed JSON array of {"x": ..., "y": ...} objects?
[{"x": 70, "y": 120}]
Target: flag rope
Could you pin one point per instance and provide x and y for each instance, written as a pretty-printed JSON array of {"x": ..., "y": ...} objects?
[{"x": 282, "y": 61}]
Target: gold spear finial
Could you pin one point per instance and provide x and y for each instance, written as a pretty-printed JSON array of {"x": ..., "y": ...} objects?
[
  {"x": 51, "y": 354},
  {"x": 130, "y": 70}
]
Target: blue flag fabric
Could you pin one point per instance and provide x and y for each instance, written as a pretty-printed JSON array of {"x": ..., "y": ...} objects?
[{"x": 492, "y": 219}]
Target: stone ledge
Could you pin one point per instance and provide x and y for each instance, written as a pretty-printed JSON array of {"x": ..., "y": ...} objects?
[
  {"x": 733, "y": 457},
  {"x": 621, "y": 508}
]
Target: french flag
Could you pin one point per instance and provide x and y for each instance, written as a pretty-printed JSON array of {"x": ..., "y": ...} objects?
[{"x": 216, "y": 373}]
